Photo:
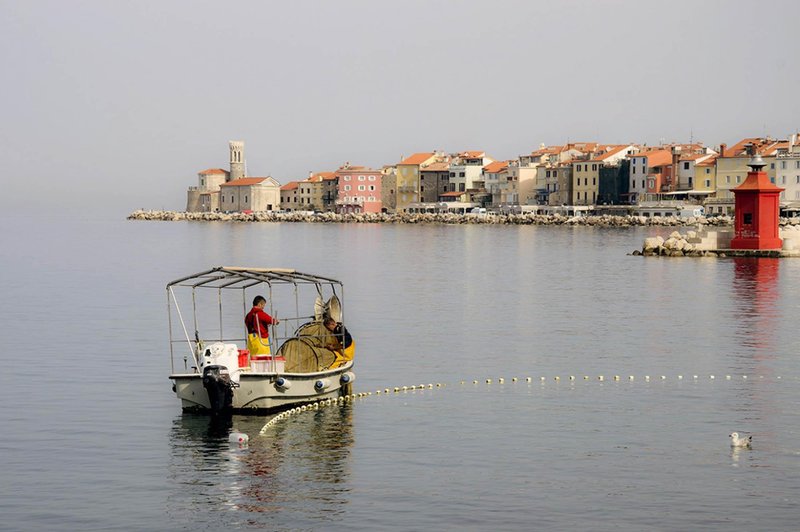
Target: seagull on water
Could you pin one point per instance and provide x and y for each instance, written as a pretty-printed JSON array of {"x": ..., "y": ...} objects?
[{"x": 740, "y": 440}]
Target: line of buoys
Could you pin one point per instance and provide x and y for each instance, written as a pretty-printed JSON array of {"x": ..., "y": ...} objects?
[
  {"x": 338, "y": 401},
  {"x": 500, "y": 380},
  {"x": 602, "y": 378}
]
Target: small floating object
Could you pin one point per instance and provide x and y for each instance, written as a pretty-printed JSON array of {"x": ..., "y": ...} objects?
[
  {"x": 727, "y": 377},
  {"x": 238, "y": 437},
  {"x": 557, "y": 378},
  {"x": 542, "y": 379},
  {"x": 501, "y": 380},
  {"x": 740, "y": 440},
  {"x": 663, "y": 377},
  {"x": 600, "y": 378},
  {"x": 744, "y": 376},
  {"x": 647, "y": 378},
  {"x": 438, "y": 385},
  {"x": 680, "y": 377},
  {"x": 616, "y": 377},
  {"x": 712, "y": 377},
  {"x": 586, "y": 377},
  {"x": 572, "y": 377},
  {"x": 630, "y": 377},
  {"x": 528, "y": 379},
  {"x": 514, "y": 379}
]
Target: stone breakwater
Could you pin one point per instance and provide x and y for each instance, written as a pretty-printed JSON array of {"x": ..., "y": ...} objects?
[
  {"x": 693, "y": 244},
  {"x": 430, "y": 218}
]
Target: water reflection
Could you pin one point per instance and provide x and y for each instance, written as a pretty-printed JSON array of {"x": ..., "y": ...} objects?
[
  {"x": 299, "y": 466},
  {"x": 755, "y": 285}
]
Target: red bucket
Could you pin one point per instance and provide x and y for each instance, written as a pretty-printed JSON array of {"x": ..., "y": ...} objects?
[{"x": 244, "y": 358}]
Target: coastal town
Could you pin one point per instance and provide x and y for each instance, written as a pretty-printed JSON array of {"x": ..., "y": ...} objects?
[{"x": 574, "y": 179}]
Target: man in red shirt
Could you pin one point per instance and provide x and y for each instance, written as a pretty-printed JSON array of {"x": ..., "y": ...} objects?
[{"x": 257, "y": 322}]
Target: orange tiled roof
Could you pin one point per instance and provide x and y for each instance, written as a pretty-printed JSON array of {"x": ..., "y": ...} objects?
[
  {"x": 245, "y": 181},
  {"x": 291, "y": 185},
  {"x": 436, "y": 167},
  {"x": 417, "y": 158},
  {"x": 763, "y": 147},
  {"x": 472, "y": 154},
  {"x": 211, "y": 171},
  {"x": 656, "y": 157},
  {"x": 550, "y": 150},
  {"x": 495, "y": 167},
  {"x": 711, "y": 161},
  {"x": 612, "y": 150}
]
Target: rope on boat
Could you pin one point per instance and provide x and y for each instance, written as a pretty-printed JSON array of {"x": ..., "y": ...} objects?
[{"x": 340, "y": 401}]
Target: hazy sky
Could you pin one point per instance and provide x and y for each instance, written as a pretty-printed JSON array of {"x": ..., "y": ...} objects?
[{"x": 129, "y": 100}]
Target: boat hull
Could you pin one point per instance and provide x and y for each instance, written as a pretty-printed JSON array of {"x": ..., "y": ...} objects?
[{"x": 261, "y": 392}]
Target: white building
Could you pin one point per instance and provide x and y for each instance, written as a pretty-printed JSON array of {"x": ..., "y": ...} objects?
[
  {"x": 787, "y": 173},
  {"x": 466, "y": 170}
]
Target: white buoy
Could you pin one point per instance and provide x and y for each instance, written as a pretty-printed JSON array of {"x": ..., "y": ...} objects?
[{"x": 238, "y": 437}]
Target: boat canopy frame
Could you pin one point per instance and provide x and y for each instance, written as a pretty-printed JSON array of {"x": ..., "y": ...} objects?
[{"x": 232, "y": 278}]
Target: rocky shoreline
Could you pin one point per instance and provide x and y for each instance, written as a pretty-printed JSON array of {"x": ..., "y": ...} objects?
[{"x": 428, "y": 218}]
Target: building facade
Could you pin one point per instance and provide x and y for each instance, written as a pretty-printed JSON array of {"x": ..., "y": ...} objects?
[{"x": 359, "y": 190}]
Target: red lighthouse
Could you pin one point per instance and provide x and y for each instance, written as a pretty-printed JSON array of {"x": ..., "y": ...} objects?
[{"x": 757, "y": 210}]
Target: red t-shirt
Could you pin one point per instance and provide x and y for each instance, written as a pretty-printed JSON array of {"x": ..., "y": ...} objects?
[{"x": 264, "y": 319}]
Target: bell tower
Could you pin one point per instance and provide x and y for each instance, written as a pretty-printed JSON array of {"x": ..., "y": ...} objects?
[{"x": 237, "y": 159}]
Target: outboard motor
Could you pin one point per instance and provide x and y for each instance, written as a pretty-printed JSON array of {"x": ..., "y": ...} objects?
[{"x": 218, "y": 384}]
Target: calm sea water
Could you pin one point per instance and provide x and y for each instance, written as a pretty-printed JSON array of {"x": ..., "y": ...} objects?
[{"x": 93, "y": 438}]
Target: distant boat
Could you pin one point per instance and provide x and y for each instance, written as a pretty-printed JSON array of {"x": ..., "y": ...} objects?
[{"x": 211, "y": 370}]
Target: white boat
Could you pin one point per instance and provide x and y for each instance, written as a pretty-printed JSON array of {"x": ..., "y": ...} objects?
[{"x": 211, "y": 369}]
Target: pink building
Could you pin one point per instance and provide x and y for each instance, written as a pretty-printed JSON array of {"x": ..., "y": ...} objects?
[{"x": 359, "y": 189}]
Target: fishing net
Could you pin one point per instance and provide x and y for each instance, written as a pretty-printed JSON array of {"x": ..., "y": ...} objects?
[{"x": 312, "y": 350}]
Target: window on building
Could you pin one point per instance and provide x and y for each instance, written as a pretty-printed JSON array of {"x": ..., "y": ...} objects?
[
  {"x": 708, "y": 183},
  {"x": 347, "y": 178},
  {"x": 633, "y": 169},
  {"x": 797, "y": 179},
  {"x": 461, "y": 174},
  {"x": 245, "y": 198},
  {"x": 772, "y": 166},
  {"x": 738, "y": 179},
  {"x": 461, "y": 187},
  {"x": 728, "y": 179},
  {"x": 372, "y": 178},
  {"x": 361, "y": 178},
  {"x": 686, "y": 165},
  {"x": 643, "y": 183},
  {"x": 783, "y": 165},
  {"x": 231, "y": 199},
  {"x": 594, "y": 181},
  {"x": 372, "y": 187},
  {"x": 797, "y": 164},
  {"x": 594, "y": 167},
  {"x": 708, "y": 170},
  {"x": 362, "y": 187},
  {"x": 347, "y": 188}
]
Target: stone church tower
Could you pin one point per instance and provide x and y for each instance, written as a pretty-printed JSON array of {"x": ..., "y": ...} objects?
[{"x": 237, "y": 159}]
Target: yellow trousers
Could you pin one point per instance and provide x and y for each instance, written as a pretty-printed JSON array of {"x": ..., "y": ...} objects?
[{"x": 257, "y": 345}]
